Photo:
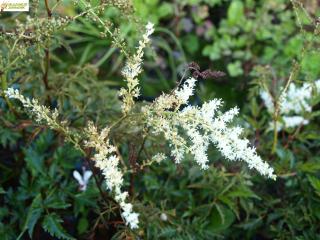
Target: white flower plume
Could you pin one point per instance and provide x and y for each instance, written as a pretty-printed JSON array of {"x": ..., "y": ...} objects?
[
  {"x": 132, "y": 70},
  {"x": 293, "y": 103},
  {"x": 38, "y": 111},
  {"x": 192, "y": 129},
  {"x": 108, "y": 162}
]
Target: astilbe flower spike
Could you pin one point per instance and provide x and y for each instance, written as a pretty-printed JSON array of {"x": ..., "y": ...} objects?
[
  {"x": 293, "y": 103},
  {"x": 192, "y": 129},
  {"x": 108, "y": 162},
  {"x": 131, "y": 71},
  {"x": 39, "y": 112}
]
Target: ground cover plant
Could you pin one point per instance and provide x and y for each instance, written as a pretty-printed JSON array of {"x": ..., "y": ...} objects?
[{"x": 149, "y": 119}]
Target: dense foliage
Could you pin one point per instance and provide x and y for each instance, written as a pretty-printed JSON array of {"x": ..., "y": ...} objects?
[{"x": 61, "y": 55}]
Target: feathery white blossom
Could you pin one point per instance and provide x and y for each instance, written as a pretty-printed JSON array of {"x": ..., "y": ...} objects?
[
  {"x": 293, "y": 121},
  {"x": 158, "y": 158},
  {"x": 108, "y": 162},
  {"x": 179, "y": 97},
  {"x": 38, "y": 111},
  {"x": 132, "y": 70},
  {"x": 293, "y": 103},
  {"x": 186, "y": 91},
  {"x": 192, "y": 129}
]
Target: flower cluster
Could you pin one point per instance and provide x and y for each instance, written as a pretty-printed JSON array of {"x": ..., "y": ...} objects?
[
  {"x": 132, "y": 70},
  {"x": 192, "y": 129},
  {"x": 39, "y": 112},
  {"x": 108, "y": 162},
  {"x": 293, "y": 103}
]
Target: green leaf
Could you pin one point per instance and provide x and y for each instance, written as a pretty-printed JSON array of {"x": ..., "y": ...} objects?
[
  {"x": 235, "y": 69},
  {"x": 251, "y": 224},
  {"x": 51, "y": 224},
  {"x": 310, "y": 167},
  {"x": 231, "y": 204},
  {"x": 315, "y": 182},
  {"x": 191, "y": 43},
  {"x": 235, "y": 12},
  {"x": 165, "y": 10},
  {"x": 83, "y": 225},
  {"x": 214, "y": 52},
  {"x": 55, "y": 203},
  {"x": 243, "y": 192},
  {"x": 152, "y": 2},
  {"x": 220, "y": 218},
  {"x": 254, "y": 107},
  {"x": 34, "y": 213},
  {"x": 34, "y": 216},
  {"x": 8, "y": 137},
  {"x": 35, "y": 161}
]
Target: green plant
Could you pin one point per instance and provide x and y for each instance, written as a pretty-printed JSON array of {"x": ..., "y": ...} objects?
[{"x": 70, "y": 64}]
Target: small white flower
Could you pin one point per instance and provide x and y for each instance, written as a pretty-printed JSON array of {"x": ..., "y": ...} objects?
[{"x": 83, "y": 180}]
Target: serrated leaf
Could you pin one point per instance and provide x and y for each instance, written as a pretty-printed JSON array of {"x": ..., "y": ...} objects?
[
  {"x": 310, "y": 167},
  {"x": 51, "y": 224},
  {"x": 35, "y": 161},
  {"x": 34, "y": 213},
  {"x": 33, "y": 219},
  {"x": 315, "y": 182},
  {"x": 56, "y": 203},
  {"x": 8, "y": 137}
]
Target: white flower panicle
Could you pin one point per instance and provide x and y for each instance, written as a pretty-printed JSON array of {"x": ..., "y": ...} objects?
[
  {"x": 39, "y": 112},
  {"x": 267, "y": 99},
  {"x": 132, "y": 70},
  {"x": 192, "y": 129},
  {"x": 293, "y": 103},
  {"x": 186, "y": 91},
  {"x": 178, "y": 98},
  {"x": 294, "y": 121},
  {"x": 108, "y": 162},
  {"x": 158, "y": 158}
]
